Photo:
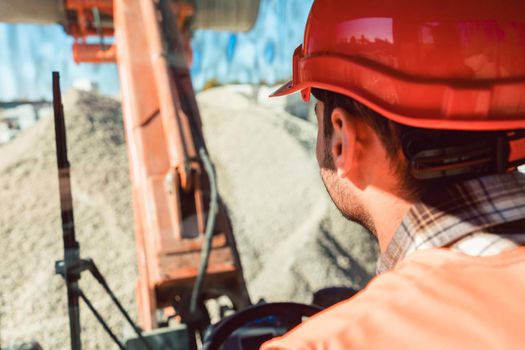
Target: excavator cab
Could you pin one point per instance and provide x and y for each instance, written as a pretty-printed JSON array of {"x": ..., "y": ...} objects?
[
  {"x": 185, "y": 246},
  {"x": 186, "y": 250}
]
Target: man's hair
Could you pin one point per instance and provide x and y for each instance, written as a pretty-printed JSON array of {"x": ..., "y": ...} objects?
[
  {"x": 413, "y": 142},
  {"x": 387, "y": 130}
]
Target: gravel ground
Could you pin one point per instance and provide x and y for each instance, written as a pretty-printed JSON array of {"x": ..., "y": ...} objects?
[{"x": 291, "y": 239}]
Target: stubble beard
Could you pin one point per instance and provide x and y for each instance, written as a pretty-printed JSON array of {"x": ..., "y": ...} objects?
[{"x": 344, "y": 201}]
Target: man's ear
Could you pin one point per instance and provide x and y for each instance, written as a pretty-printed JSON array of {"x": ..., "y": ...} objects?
[
  {"x": 343, "y": 141},
  {"x": 350, "y": 142}
]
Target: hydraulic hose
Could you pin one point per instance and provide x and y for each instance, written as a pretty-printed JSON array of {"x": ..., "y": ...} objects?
[{"x": 210, "y": 228}]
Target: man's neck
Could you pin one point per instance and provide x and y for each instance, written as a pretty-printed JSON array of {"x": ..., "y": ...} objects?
[{"x": 387, "y": 211}]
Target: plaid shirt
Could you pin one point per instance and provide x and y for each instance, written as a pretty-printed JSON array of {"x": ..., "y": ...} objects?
[{"x": 483, "y": 216}]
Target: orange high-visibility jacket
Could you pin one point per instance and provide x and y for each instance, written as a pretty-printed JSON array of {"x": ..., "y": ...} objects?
[{"x": 433, "y": 299}]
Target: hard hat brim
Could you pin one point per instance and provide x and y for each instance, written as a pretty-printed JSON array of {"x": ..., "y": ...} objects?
[
  {"x": 424, "y": 103},
  {"x": 286, "y": 89}
]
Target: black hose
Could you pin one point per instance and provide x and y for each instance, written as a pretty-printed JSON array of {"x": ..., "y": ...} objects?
[{"x": 210, "y": 228}]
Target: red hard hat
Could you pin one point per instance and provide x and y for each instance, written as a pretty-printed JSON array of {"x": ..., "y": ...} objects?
[{"x": 440, "y": 64}]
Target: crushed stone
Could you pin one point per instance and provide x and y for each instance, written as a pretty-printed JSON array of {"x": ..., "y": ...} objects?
[{"x": 291, "y": 239}]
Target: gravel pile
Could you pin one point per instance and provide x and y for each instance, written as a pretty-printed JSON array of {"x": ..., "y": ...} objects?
[
  {"x": 291, "y": 239},
  {"x": 33, "y": 298}
]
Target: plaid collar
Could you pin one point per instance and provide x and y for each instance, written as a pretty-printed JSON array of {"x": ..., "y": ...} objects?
[{"x": 484, "y": 204}]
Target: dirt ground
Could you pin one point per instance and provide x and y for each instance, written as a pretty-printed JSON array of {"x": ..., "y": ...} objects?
[{"x": 291, "y": 239}]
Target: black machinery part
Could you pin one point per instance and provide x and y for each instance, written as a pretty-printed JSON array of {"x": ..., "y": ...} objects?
[{"x": 291, "y": 311}]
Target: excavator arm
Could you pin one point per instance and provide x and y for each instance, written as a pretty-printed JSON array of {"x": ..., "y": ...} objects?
[{"x": 170, "y": 187}]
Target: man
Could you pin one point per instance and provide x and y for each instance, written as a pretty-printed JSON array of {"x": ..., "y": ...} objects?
[{"x": 421, "y": 111}]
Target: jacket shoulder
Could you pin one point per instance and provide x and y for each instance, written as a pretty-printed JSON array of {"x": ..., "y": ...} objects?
[{"x": 432, "y": 296}]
